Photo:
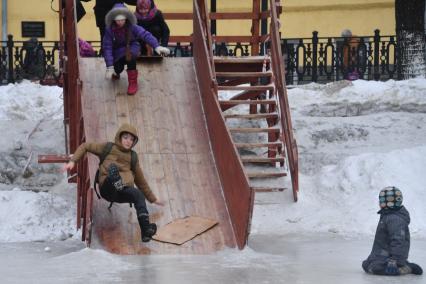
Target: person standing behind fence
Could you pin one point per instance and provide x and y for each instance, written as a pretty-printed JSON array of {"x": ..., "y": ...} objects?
[
  {"x": 152, "y": 20},
  {"x": 350, "y": 51}
]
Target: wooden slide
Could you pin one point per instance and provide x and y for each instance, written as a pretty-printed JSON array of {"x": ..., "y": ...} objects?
[{"x": 174, "y": 150}]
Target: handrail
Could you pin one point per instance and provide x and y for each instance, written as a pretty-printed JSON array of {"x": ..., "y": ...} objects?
[
  {"x": 237, "y": 192},
  {"x": 277, "y": 64},
  {"x": 73, "y": 115}
]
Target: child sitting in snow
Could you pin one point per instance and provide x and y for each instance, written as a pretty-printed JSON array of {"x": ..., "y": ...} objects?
[
  {"x": 392, "y": 241},
  {"x": 121, "y": 47},
  {"x": 152, "y": 20},
  {"x": 117, "y": 179}
]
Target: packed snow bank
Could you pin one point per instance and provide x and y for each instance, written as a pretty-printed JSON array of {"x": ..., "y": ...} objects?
[
  {"x": 343, "y": 198},
  {"x": 354, "y": 138},
  {"x": 30, "y": 101},
  {"x": 31, "y": 216}
]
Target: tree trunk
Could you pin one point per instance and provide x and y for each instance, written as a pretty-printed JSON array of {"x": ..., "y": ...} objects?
[{"x": 409, "y": 15}]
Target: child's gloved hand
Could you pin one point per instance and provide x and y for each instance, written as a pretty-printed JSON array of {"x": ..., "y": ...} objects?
[
  {"x": 109, "y": 72},
  {"x": 162, "y": 50},
  {"x": 391, "y": 268}
]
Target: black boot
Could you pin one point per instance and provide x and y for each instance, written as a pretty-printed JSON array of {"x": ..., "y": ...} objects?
[
  {"x": 415, "y": 268},
  {"x": 147, "y": 229}
]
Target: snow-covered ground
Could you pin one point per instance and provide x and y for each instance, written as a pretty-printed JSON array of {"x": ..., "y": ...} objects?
[{"x": 354, "y": 138}]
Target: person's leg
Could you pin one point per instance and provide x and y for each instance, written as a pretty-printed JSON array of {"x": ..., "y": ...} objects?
[
  {"x": 135, "y": 196},
  {"x": 132, "y": 75},
  {"x": 112, "y": 184},
  {"x": 119, "y": 65}
]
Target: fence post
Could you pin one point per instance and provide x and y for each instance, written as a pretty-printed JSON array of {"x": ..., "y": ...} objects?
[
  {"x": 314, "y": 56},
  {"x": 10, "y": 78},
  {"x": 376, "y": 67}
]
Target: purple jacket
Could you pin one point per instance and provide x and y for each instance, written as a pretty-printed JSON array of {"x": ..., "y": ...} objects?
[{"x": 114, "y": 43}]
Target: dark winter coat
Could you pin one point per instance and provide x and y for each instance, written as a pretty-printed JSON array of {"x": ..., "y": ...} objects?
[
  {"x": 102, "y": 7},
  {"x": 157, "y": 26},
  {"x": 115, "y": 41},
  {"x": 122, "y": 158},
  {"x": 392, "y": 240}
]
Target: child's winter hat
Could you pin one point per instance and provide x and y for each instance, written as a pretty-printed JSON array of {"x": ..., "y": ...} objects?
[
  {"x": 119, "y": 12},
  {"x": 390, "y": 198},
  {"x": 144, "y": 4}
]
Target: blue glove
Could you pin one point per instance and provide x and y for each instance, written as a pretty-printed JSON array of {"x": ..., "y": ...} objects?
[{"x": 391, "y": 268}]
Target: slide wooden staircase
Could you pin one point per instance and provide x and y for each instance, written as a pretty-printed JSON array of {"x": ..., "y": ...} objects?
[{"x": 252, "y": 81}]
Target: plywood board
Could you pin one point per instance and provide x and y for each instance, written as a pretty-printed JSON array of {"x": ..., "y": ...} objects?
[{"x": 182, "y": 230}]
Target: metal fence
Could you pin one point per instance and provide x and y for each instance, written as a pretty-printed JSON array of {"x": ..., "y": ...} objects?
[
  {"x": 326, "y": 59},
  {"x": 316, "y": 59},
  {"x": 32, "y": 59}
]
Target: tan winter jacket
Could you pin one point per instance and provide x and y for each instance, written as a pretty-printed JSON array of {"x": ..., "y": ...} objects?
[{"x": 122, "y": 158}]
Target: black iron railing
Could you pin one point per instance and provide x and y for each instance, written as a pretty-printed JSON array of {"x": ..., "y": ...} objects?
[
  {"x": 316, "y": 59},
  {"x": 30, "y": 59},
  {"x": 321, "y": 59}
]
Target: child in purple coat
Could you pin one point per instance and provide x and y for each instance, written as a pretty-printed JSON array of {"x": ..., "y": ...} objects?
[{"x": 121, "y": 47}]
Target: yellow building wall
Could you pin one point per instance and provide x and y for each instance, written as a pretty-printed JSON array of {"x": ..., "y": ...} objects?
[{"x": 299, "y": 18}]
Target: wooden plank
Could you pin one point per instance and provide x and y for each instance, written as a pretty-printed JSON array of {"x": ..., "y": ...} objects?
[
  {"x": 257, "y": 159},
  {"x": 246, "y": 88},
  {"x": 243, "y": 74},
  {"x": 268, "y": 189},
  {"x": 218, "y": 16},
  {"x": 248, "y": 102},
  {"x": 184, "y": 229},
  {"x": 241, "y": 60},
  {"x": 254, "y": 130},
  {"x": 252, "y": 116},
  {"x": 53, "y": 159},
  {"x": 258, "y": 145},
  {"x": 265, "y": 175}
]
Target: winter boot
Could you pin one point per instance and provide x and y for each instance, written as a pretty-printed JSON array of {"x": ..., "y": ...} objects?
[
  {"x": 147, "y": 229},
  {"x": 415, "y": 268},
  {"x": 114, "y": 177},
  {"x": 132, "y": 76}
]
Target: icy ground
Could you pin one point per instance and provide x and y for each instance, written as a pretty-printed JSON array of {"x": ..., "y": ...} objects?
[{"x": 353, "y": 139}]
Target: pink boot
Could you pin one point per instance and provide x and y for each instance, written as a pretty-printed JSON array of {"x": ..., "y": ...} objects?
[{"x": 132, "y": 76}]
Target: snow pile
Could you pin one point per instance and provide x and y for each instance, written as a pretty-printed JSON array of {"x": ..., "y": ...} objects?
[
  {"x": 35, "y": 204},
  {"x": 30, "y": 216},
  {"x": 30, "y": 101},
  {"x": 354, "y": 138}
]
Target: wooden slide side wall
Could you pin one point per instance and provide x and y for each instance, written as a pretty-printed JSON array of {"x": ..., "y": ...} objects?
[{"x": 239, "y": 197}]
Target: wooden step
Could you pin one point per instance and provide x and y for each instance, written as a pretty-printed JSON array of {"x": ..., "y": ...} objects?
[
  {"x": 265, "y": 175},
  {"x": 252, "y": 116},
  {"x": 257, "y": 159},
  {"x": 258, "y": 145},
  {"x": 254, "y": 130},
  {"x": 241, "y": 60},
  {"x": 268, "y": 189},
  {"x": 247, "y": 102},
  {"x": 243, "y": 74},
  {"x": 246, "y": 88}
]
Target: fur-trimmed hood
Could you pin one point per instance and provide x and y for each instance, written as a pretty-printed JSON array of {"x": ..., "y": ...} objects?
[
  {"x": 119, "y": 9},
  {"x": 126, "y": 128}
]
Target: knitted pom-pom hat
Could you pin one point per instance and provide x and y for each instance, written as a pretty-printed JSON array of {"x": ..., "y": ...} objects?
[{"x": 390, "y": 198}]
